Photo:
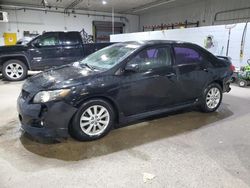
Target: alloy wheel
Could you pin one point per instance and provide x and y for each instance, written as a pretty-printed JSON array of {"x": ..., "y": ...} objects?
[
  {"x": 14, "y": 70},
  {"x": 213, "y": 98},
  {"x": 94, "y": 120}
]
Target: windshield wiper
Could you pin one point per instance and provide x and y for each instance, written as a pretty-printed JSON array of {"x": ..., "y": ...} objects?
[{"x": 87, "y": 65}]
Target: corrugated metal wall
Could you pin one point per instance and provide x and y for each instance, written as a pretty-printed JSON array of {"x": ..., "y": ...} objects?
[{"x": 200, "y": 10}]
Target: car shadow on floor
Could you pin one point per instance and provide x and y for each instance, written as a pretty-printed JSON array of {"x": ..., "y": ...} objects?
[{"x": 143, "y": 132}]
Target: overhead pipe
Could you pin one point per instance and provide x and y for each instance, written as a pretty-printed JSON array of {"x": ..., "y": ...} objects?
[
  {"x": 17, "y": 7},
  {"x": 147, "y": 6},
  {"x": 152, "y": 5},
  {"x": 72, "y": 5}
]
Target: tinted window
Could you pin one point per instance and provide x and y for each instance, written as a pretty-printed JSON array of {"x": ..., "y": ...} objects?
[
  {"x": 185, "y": 55},
  {"x": 49, "y": 40},
  {"x": 152, "y": 58},
  {"x": 70, "y": 38}
]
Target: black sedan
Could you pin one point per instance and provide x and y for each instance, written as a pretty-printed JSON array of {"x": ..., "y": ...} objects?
[{"x": 119, "y": 84}]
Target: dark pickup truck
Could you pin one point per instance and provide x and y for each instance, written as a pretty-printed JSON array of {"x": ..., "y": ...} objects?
[{"x": 46, "y": 51}]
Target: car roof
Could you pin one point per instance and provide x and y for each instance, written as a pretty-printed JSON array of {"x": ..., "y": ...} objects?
[
  {"x": 153, "y": 42},
  {"x": 61, "y": 32}
]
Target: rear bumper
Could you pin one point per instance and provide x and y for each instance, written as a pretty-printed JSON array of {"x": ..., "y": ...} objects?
[{"x": 50, "y": 120}]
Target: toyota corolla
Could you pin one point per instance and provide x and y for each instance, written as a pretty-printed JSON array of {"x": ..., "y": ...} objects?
[{"x": 119, "y": 84}]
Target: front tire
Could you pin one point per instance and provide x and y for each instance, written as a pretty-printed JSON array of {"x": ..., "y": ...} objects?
[
  {"x": 211, "y": 99},
  {"x": 14, "y": 70},
  {"x": 94, "y": 120}
]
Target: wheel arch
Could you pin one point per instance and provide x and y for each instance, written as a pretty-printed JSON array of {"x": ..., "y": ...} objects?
[
  {"x": 104, "y": 98},
  {"x": 219, "y": 82},
  {"x": 19, "y": 57},
  {"x": 202, "y": 100}
]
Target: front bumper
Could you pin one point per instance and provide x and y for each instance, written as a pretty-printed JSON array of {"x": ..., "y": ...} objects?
[{"x": 45, "y": 120}]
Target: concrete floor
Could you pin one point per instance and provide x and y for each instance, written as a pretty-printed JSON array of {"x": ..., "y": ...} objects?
[{"x": 187, "y": 149}]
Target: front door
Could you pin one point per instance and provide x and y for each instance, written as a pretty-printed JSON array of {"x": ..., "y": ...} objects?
[
  {"x": 152, "y": 87},
  {"x": 46, "y": 52}
]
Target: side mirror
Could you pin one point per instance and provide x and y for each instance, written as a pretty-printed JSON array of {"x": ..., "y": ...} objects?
[
  {"x": 132, "y": 68},
  {"x": 36, "y": 44},
  {"x": 248, "y": 61}
]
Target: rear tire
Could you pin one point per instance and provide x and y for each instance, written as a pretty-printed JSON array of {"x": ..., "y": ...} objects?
[
  {"x": 14, "y": 70},
  {"x": 211, "y": 99},
  {"x": 94, "y": 120}
]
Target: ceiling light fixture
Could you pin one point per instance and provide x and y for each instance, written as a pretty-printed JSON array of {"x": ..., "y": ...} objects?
[
  {"x": 149, "y": 6},
  {"x": 104, "y": 2}
]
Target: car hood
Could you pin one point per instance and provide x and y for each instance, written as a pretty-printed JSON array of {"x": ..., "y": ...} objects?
[
  {"x": 61, "y": 77},
  {"x": 15, "y": 48}
]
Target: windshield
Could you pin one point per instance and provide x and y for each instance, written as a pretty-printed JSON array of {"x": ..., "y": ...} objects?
[
  {"x": 32, "y": 40},
  {"x": 108, "y": 57}
]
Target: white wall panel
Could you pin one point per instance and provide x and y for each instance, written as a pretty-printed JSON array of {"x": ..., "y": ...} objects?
[
  {"x": 41, "y": 21},
  {"x": 198, "y": 36}
]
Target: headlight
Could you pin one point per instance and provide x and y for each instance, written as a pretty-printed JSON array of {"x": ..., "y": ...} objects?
[{"x": 46, "y": 96}]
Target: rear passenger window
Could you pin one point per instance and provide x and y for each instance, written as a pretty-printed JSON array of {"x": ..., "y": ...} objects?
[
  {"x": 70, "y": 39},
  {"x": 184, "y": 55}
]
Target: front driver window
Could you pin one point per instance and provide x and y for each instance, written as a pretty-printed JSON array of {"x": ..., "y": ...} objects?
[
  {"x": 49, "y": 40},
  {"x": 152, "y": 58}
]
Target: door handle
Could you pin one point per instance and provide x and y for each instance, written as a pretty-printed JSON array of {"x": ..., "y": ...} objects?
[
  {"x": 205, "y": 69},
  {"x": 170, "y": 75}
]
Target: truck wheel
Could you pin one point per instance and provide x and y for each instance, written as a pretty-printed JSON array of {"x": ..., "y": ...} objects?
[
  {"x": 242, "y": 83},
  {"x": 94, "y": 119},
  {"x": 14, "y": 70},
  {"x": 211, "y": 99}
]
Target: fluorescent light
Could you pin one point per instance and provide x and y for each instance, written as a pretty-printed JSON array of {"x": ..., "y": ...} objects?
[
  {"x": 152, "y": 5},
  {"x": 104, "y": 2}
]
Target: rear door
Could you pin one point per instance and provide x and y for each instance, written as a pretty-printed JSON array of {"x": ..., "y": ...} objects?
[
  {"x": 71, "y": 47},
  {"x": 46, "y": 51},
  {"x": 194, "y": 71}
]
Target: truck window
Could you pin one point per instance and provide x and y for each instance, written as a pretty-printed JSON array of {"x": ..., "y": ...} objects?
[
  {"x": 70, "y": 38},
  {"x": 50, "y": 39}
]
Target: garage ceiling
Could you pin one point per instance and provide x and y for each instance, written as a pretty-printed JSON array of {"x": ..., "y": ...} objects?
[{"x": 121, "y": 6}]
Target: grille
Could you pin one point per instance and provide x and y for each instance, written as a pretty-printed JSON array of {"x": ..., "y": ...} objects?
[{"x": 25, "y": 94}]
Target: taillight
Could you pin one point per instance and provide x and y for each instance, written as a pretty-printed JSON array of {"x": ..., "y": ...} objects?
[{"x": 232, "y": 68}]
